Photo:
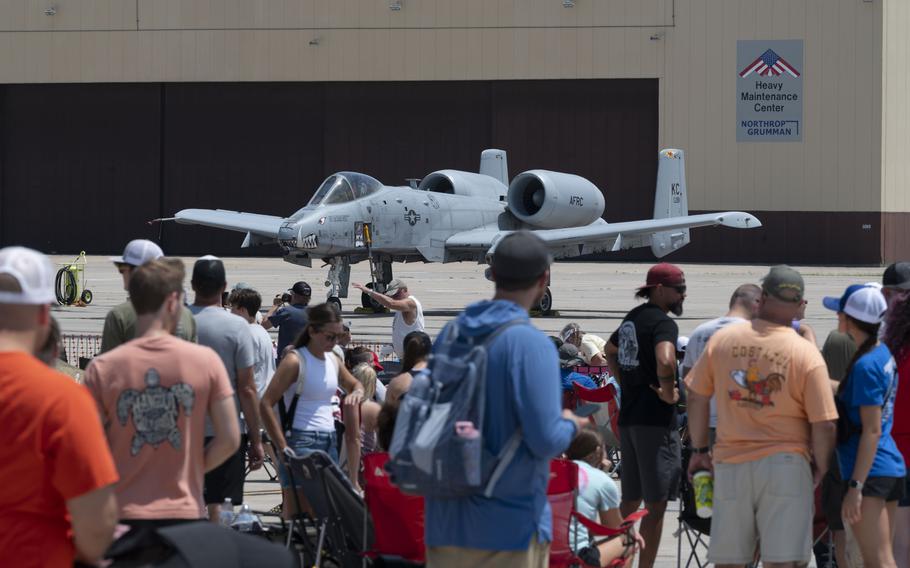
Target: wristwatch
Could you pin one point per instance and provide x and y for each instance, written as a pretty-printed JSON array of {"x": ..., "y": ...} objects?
[
  {"x": 854, "y": 484},
  {"x": 704, "y": 450}
]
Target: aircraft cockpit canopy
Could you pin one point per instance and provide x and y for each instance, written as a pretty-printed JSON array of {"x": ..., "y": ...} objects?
[{"x": 344, "y": 187}]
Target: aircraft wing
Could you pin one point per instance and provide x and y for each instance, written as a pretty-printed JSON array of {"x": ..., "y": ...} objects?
[
  {"x": 601, "y": 236},
  {"x": 262, "y": 225}
]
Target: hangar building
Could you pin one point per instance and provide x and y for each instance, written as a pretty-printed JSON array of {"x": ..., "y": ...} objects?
[{"x": 113, "y": 112}]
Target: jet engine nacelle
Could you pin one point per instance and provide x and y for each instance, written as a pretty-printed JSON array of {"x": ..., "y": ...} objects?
[
  {"x": 554, "y": 200},
  {"x": 457, "y": 182}
]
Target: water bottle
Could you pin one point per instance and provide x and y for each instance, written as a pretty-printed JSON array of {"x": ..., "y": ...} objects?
[
  {"x": 226, "y": 516},
  {"x": 244, "y": 520},
  {"x": 470, "y": 451}
]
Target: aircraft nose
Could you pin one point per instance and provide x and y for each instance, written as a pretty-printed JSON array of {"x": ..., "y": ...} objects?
[{"x": 287, "y": 236}]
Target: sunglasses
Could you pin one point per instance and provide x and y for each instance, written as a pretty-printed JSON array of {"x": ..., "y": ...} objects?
[
  {"x": 680, "y": 289},
  {"x": 123, "y": 268},
  {"x": 331, "y": 336}
]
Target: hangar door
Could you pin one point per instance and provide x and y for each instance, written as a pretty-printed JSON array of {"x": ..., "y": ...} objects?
[{"x": 84, "y": 166}]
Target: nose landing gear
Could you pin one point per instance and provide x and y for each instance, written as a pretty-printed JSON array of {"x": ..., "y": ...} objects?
[{"x": 546, "y": 303}]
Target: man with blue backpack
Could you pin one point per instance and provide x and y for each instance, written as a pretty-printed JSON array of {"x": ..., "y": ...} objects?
[{"x": 475, "y": 434}]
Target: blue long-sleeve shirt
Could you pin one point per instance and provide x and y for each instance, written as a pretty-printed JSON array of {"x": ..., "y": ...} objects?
[{"x": 523, "y": 391}]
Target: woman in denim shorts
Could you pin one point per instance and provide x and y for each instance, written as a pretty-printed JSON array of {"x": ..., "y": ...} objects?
[
  {"x": 312, "y": 426},
  {"x": 870, "y": 463}
]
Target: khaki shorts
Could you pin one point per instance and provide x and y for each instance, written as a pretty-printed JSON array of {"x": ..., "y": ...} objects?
[
  {"x": 536, "y": 556},
  {"x": 770, "y": 500}
]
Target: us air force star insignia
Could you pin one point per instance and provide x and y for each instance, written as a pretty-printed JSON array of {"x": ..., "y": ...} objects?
[{"x": 412, "y": 217}]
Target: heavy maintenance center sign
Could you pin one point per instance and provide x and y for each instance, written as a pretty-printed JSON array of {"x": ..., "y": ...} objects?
[{"x": 769, "y": 90}]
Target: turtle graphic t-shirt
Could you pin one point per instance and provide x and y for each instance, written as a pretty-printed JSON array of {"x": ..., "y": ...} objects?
[
  {"x": 770, "y": 385},
  {"x": 638, "y": 334},
  {"x": 154, "y": 393}
]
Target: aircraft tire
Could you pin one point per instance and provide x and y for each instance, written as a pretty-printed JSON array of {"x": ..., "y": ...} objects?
[
  {"x": 335, "y": 302},
  {"x": 369, "y": 303},
  {"x": 546, "y": 303}
]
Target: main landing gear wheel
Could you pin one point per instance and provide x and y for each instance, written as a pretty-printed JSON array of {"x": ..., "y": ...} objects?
[
  {"x": 369, "y": 303},
  {"x": 335, "y": 303},
  {"x": 546, "y": 303}
]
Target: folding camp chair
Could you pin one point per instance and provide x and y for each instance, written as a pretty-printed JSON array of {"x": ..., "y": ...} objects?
[
  {"x": 562, "y": 491},
  {"x": 606, "y": 419},
  {"x": 693, "y": 528},
  {"x": 398, "y": 519},
  {"x": 334, "y": 506}
]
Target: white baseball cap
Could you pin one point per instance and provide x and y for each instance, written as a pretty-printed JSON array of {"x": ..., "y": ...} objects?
[
  {"x": 138, "y": 252},
  {"x": 34, "y": 273},
  {"x": 864, "y": 303}
]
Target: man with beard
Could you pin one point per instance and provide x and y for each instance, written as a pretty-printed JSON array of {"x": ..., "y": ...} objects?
[{"x": 642, "y": 355}]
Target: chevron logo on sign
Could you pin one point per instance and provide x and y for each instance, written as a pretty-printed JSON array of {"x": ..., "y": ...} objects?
[{"x": 769, "y": 64}]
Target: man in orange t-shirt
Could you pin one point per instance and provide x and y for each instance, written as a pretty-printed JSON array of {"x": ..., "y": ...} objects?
[
  {"x": 775, "y": 413},
  {"x": 56, "y": 496},
  {"x": 154, "y": 393}
]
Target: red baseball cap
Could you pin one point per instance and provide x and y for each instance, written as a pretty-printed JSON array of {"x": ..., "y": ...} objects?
[{"x": 665, "y": 274}]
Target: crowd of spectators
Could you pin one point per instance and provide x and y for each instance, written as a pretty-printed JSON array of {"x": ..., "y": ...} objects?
[{"x": 187, "y": 396}]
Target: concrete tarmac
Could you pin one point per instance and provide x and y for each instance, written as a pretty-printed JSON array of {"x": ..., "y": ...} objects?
[{"x": 596, "y": 295}]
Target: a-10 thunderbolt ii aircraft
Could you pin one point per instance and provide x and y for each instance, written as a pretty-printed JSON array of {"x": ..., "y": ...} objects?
[{"x": 456, "y": 215}]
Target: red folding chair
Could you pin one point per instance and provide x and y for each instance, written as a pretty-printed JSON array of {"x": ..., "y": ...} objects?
[
  {"x": 562, "y": 491},
  {"x": 605, "y": 395},
  {"x": 398, "y": 519}
]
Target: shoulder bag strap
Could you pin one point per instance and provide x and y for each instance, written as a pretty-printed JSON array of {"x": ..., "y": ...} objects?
[
  {"x": 507, "y": 452},
  {"x": 287, "y": 422}
]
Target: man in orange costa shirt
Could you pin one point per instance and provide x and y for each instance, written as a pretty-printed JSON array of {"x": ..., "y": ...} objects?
[{"x": 775, "y": 416}]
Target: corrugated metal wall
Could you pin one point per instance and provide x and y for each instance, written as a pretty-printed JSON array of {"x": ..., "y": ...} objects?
[{"x": 690, "y": 45}]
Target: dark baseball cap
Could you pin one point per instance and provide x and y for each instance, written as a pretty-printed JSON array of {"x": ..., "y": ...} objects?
[
  {"x": 664, "y": 274},
  {"x": 897, "y": 276},
  {"x": 301, "y": 288},
  {"x": 519, "y": 257},
  {"x": 784, "y": 283},
  {"x": 569, "y": 356},
  {"x": 209, "y": 269}
]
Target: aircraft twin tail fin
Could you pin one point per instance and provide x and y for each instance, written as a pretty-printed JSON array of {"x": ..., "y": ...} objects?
[
  {"x": 495, "y": 164},
  {"x": 670, "y": 201}
]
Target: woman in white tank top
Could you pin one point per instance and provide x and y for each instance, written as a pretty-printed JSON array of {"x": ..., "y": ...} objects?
[{"x": 313, "y": 425}]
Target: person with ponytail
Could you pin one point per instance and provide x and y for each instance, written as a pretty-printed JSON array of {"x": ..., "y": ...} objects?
[
  {"x": 311, "y": 424},
  {"x": 869, "y": 459},
  {"x": 896, "y": 281},
  {"x": 417, "y": 346},
  {"x": 598, "y": 499}
]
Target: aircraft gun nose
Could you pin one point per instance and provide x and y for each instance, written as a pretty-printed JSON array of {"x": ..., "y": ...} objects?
[{"x": 287, "y": 236}]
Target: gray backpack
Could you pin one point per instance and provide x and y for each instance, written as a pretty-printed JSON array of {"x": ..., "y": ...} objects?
[{"x": 437, "y": 447}]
